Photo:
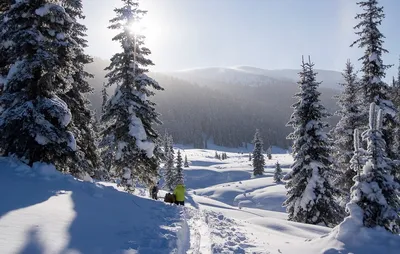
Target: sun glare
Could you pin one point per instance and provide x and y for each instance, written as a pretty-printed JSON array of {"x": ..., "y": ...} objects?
[{"x": 136, "y": 27}]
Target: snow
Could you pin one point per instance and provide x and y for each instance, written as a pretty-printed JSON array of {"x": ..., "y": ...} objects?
[
  {"x": 60, "y": 36},
  {"x": 44, "y": 10},
  {"x": 309, "y": 192},
  {"x": 136, "y": 130},
  {"x": 227, "y": 210},
  {"x": 55, "y": 213},
  {"x": 14, "y": 68},
  {"x": 42, "y": 140},
  {"x": 47, "y": 8},
  {"x": 72, "y": 141}
]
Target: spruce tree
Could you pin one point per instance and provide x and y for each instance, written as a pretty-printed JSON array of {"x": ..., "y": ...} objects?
[
  {"x": 104, "y": 95},
  {"x": 34, "y": 120},
  {"x": 130, "y": 115},
  {"x": 258, "y": 157},
  {"x": 310, "y": 196},
  {"x": 169, "y": 168},
  {"x": 375, "y": 192},
  {"x": 4, "y": 64},
  {"x": 374, "y": 89},
  {"x": 186, "y": 163},
  {"x": 179, "y": 169},
  {"x": 351, "y": 118},
  {"x": 278, "y": 173},
  {"x": 87, "y": 159}
]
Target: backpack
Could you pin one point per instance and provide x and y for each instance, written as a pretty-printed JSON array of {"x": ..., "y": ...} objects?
[{"x": 169, "y": 198}]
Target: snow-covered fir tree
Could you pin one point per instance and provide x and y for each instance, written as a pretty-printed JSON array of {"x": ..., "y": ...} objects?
[
  {"x": 310, "y": 196},
  {"x": 374, "y": 89},
  {"x": 104, "y": 95},
  {"x": 186, "y": 163},
  {"x": 395, "y": 95},
  {"x": 169, "y": 167},
  {"x": 258, "y": 156},
  {"x": 87, "y": 159},
  {"x": 343, "y": 141},
  {"x": 4, "y": 65},
  {"x": 34, "y": 120},
  {"x": 394, "y": 90},
  {"x": 178, "y": 169},
  {"x": 375, "y": 194},
  {"x": 278, "y": 173},
  {"x": 130, "y": 115}
]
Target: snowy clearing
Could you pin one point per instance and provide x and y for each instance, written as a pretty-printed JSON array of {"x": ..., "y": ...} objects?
[{"x": 227, "y": 211}]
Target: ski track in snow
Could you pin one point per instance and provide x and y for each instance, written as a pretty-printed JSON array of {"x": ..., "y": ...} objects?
[{"x": 212, "y": 232}]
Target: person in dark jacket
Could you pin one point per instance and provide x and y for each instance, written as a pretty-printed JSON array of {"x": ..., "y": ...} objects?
[{"x": 154, "y": 191}]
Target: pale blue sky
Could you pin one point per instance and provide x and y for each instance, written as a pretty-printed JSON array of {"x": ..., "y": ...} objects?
[{"x": 271, "y": 34}]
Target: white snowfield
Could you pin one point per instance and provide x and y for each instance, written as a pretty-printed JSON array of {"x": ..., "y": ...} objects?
[{"x": 227, "y": 211}]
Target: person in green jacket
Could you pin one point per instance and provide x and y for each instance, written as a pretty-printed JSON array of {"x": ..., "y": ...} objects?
[{"x": 179, "y": 193}]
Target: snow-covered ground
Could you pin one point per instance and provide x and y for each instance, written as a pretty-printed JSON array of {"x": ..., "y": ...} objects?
[{"x": 227, "y": 211}]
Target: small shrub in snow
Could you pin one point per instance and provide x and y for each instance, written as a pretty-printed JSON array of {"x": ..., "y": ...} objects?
[
  {"x": 278, "y": 173},
  {"x": 186, "y": 163}
]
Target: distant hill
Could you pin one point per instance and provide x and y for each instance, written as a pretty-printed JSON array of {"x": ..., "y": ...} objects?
[
  {"x": 226, "y": 104},
  {"x": 246, "y": 75}
]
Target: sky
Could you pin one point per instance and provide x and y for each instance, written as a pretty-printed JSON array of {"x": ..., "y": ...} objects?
[{"x": 270, "y": 34}]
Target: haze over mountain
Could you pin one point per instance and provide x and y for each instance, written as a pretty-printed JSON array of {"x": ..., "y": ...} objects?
[
  {"x": 226, "y": 104},
  {"x": 247, "y": 75}
]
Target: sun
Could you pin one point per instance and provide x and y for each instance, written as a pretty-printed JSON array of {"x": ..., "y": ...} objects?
[{"x": 136, "y": 28}]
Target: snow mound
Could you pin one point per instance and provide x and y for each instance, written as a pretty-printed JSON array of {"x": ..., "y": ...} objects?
[
  {"x": 44, "y": 211},
  {"x": 351, "y": 237}
]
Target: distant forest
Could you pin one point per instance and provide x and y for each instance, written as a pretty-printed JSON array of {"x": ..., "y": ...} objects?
[{"x": 225, "y": 113}]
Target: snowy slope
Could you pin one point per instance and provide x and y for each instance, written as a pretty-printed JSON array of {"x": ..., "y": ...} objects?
[
  {"x": 227, "y": 211},
  {"x": 43, "y": 211}
]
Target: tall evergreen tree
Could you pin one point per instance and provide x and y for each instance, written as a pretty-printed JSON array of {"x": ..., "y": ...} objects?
[
  {"x": 34, "y": 120},
  {"x": 169, "y": 168},
  {"x": 87, "y": 159},
  {"x": 278, "y": 173},
  {"x": 310, "y": 196},
  {"x": 179, "y": 169},
  {"x": 374, "y": 89},
  {"x": 4, "y": 64},
  {"x": 350, "y": 119},
  {"x": 129, "y": 114},
  {"x": 375, "y": 193},
  {"x": 258, "y": 157}
]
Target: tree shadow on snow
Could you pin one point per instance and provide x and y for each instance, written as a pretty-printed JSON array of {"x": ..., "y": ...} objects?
[
  {"x": 106, "y": 220},
  {"x": 109, "y": 221},
  {"x": 33, "y": 244},
  {"x": 28, "y": 193}
]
